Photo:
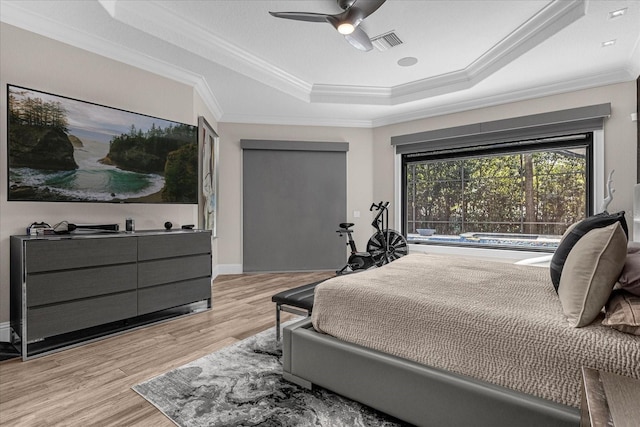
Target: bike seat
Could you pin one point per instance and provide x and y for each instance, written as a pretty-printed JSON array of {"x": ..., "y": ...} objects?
[{"x": 346, "y": 224}]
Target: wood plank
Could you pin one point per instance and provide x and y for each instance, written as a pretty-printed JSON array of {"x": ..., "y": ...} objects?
[{"x": 91, "y": 384}]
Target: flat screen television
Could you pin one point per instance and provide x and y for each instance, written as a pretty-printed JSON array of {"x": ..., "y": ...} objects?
[{"x": 66, "y": 150}]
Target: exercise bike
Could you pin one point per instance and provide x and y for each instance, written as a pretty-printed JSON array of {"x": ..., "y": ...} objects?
[{"x": 383, "y": 247}]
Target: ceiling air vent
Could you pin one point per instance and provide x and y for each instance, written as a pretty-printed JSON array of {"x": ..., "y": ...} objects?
[{"x": 386, "y": 41}]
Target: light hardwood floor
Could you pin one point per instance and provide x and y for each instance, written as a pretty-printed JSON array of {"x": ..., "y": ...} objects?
[{"x": 91, "y": 385}]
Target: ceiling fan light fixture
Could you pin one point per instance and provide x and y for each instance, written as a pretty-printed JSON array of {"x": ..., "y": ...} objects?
[
  {"x": 346, "y": 28},
  {"x": 346, "y": 23},
  {"x": 617, "y": 13}
]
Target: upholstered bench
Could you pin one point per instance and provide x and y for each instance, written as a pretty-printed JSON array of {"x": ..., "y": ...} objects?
[{"x": 294, "y": 301}]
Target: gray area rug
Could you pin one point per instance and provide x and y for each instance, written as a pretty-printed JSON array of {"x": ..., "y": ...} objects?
[{"x": 242, "y": 385}]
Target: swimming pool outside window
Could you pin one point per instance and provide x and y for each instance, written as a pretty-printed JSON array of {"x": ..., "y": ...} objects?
[{"x": 520, "y": 195}]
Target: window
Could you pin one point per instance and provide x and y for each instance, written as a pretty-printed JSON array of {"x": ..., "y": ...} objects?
[{"x": 520, "y": 194}]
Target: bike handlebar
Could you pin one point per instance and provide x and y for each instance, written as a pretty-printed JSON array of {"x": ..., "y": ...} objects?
[
  {"x": 377, "y": 221},
  {"x": 379, "y": 206}
]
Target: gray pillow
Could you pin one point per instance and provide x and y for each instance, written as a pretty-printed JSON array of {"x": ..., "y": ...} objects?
[
  {"x": 590, "y": 271},
  {"x": 623, "y": 312},
  {"x": 630, "y": 277},
  {"x": 574, "y": 233}
]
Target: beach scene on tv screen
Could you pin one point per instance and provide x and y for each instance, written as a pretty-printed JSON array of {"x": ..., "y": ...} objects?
[{"x": 62, "y": 149}]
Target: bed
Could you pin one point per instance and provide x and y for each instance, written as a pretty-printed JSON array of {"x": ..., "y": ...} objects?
[{"x": 443, "y": 340}]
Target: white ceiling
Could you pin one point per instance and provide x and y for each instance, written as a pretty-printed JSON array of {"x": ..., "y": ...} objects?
[{"x": 251, "y": 67}]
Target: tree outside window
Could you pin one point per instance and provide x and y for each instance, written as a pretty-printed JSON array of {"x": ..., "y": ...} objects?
[{"x": 517, "y": 198}]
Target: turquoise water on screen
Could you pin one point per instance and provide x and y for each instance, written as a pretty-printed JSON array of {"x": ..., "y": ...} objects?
[{"x": 92, "y": 181}]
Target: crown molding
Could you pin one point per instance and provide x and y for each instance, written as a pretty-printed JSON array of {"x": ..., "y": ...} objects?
[
  {"x": 17, "y": 16},
  {"x": 295, "y": 121},
  {"x": 154, "y": 18},
  {"x": 540, "y": 27},
  {"x": 551, "y": 19},
  {"x": 587, "y": 82},
  {"x": 206, "y": 94},
  {"x": 339, "y": 94}
]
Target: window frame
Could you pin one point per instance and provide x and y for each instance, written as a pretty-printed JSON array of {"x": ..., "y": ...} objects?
[
  {"x": 596, "y": 185},
  {"x": 582, "y": 140}
]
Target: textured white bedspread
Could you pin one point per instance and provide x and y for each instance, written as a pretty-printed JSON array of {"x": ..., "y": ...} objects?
[{"x": 497, "y": 322}]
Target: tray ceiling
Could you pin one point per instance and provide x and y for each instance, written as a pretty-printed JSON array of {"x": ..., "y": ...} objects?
[{"x": 251, "y": 67}]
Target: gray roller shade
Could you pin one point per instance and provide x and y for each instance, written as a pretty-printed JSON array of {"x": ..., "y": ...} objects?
[
  {"x": 294, "y": 195},
  {"x": 497, "y": 132}
]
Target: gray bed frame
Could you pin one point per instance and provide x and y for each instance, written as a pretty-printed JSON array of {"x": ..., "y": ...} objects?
[{"x": 409, "y": 391}]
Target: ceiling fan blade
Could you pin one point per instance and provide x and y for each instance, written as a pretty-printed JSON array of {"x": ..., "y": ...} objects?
[
  {"x": 359, "y": 39},
  {"x": 367, "y": 7},
  {"x": 301, "y": 16},
  {"x": 349, "y": 20}
]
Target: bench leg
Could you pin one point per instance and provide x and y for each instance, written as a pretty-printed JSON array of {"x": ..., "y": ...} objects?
[
  {"x": 289, "y": 310},
  {"x": 277, "y": 322}
]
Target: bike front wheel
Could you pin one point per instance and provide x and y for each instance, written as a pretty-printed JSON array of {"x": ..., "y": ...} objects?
[{"x": 386, "y": 246}]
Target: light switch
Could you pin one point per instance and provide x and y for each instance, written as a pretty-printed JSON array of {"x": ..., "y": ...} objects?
[{"x": 356, "y": 214}]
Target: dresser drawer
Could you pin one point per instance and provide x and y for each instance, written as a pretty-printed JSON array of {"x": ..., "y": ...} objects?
[
  {"x": 52, "y": 255},
  {"x": 151, "y": 273},
  {"x": 60, "y": 286},
  {"x": 173, "y": 245},
  {"x": 58, "y": 319},
  {"x": 173, "y": 295}
]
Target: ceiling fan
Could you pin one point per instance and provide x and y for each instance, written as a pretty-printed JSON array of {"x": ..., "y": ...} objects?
[{"x": 347, "y": 22}]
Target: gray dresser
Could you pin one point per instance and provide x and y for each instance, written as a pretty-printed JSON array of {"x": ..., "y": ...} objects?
[{"x": 66, "y": 290}]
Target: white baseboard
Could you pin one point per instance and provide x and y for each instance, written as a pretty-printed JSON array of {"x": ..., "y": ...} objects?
[
  {"x": 5, "y": 332},
  {"x": 228, "y": 269}
]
